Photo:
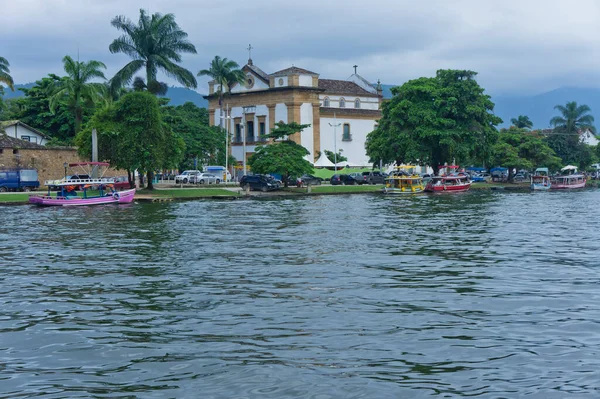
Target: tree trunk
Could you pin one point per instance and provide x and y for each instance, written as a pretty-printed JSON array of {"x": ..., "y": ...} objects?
[
  {"x": 221, "y": 109},
  {"x": 150, "y": 177},
  {"x": 78, "y": 119},
  {"x": 130, "y": 179}
]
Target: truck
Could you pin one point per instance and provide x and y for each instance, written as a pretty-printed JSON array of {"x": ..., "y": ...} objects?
[
  {"x": 219, "y": 171},
  {"x": 18, "y": 180}
]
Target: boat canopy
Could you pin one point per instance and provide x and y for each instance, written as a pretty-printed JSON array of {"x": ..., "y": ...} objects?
[
  {"x": 89, "y": 164},
  {"x": 448, "y": 166},
  {"x": 542, "y": 170},
  {"x": 569, "y": 167}
]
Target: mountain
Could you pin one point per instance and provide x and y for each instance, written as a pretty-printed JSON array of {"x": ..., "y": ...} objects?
[
  {"x": 177, "y": 95},
  {"x": 539, "y": 108}
]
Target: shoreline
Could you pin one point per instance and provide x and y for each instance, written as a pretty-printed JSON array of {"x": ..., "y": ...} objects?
[{"x": 170, "y": 194}]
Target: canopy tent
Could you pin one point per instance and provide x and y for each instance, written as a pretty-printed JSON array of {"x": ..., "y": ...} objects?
[
  {"x": 476, "y": 169},
  {"x": 323, "y": 162},
  {"x": 569, "y": 167},
  {"x": 350, "y": 164}
]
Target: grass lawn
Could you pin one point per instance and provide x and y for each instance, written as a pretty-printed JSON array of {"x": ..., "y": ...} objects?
[
  {"x": 187, "y": 193},
  {"x": 16, "y": 197}
]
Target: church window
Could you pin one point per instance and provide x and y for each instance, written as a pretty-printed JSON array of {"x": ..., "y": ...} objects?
[
  {"x": 238, "y": 133},
  {"x": 357, "y": 103},
  {"x": 346, "y": 136},
  {"x": 326, "y": 102},
  {"x": 250, "y": 131},
  {"x": 342, "y": 103}
]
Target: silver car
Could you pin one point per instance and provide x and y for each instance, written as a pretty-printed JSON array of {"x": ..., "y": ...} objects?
[{"x": 206, "y": 178}]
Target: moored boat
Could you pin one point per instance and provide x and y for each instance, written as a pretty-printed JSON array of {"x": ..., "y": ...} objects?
[
  {"x": 451, "y": 183},
  {"x": 570, "y": 179},
  {"x": 403, "y": 181},
  {"x": 67, "y": 195},
  {"x": 540, "y": 180}
]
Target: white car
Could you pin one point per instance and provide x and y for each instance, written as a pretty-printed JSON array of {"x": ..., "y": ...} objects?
[
  {"x": 206, "y": 178},
  {"x": 188, "y": 176}
]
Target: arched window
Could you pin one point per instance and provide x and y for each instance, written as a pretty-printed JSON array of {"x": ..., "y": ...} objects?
[
  {"x": 342, "y": 103},
  {"x": 326, "y": 102},
  {"x": 357, "y": 103}
]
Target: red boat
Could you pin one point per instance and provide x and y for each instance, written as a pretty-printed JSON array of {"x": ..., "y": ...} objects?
[{"x": 453, "y": 183}]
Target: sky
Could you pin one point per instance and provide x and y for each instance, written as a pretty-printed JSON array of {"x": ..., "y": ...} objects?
[{"x": 518, "y": 47}]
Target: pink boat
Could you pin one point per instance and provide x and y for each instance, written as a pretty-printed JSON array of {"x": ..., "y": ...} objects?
[
  {"x": 67, "y": 189},
  {"x": 122, "y": 197},
  {"x": 570, "y": 179}
]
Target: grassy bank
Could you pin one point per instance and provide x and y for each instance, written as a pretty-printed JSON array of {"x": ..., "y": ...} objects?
[
  {"x": 16, "y": 197},
  {"x": 337, "y": 189}
]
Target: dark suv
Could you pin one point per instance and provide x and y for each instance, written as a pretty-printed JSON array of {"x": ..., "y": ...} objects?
[
  {"x": 342, "y": 179},
  {"x": 373, "y": 177},
  {"x": 259, "y": 182}
]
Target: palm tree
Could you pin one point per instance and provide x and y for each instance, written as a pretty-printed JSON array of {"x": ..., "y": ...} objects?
[
  {"x": 76, "y": 89},
  {"x": 156, "y": 42},
  {"x": 574, "y": 118},
  {"x": 225, "y": 73},
  {"x": 522, "y": 122},
  {"x": 4, "y": 73}
]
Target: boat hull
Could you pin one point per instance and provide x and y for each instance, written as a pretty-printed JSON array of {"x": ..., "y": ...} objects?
[
  {"x": 557, "y": 186},
  {"x": 398, "y": 191},
  {"x": 541, "y": 187},
  {"x": 123, "y": 197},
  {"x": 447, "y": 188}
]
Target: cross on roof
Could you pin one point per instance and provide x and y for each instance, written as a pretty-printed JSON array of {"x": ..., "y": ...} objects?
[
  {"x": 355, "y": 66},
  {"x": 249, "y": 54}
]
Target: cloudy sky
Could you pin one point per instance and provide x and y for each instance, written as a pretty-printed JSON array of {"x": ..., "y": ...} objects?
[{"x": 517, "y": 46}]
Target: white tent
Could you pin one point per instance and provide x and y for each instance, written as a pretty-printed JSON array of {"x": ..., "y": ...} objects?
[
  {"x": 342, "y": 164},
  {"x": 323, "y": 162},
  {"x": 569, "y": 167}
]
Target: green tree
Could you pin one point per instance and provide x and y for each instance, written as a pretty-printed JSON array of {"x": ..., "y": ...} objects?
[
  {"x": 522, "y": 122},
  {"x": 283, "y": 157},
  {"x": 75, "y": 89},
  {"x": 5, "y": 74},
  {"x": 333, "y": 157},
  {"x": 155, "y": 43},
  {"x": 435, "y": 120},
  {"x": 132, "y": 135},
  {"x": 564, "y": 138},
  {"x": 518, "y": 148},
  {"x": 203, "y": 143},
  {"x": 225, "y": 73},
  {"x": 34, "y": 110}
]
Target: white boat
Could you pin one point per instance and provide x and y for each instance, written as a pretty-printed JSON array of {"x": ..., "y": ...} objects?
[{"x": 540, "y": 180}]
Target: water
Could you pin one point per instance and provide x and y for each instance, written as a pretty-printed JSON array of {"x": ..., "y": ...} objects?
[{"x": 478, "y": 294}]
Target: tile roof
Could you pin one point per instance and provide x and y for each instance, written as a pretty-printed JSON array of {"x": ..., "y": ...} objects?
[
  {"x": 288, "y": 71},
  {"x": 11, "y": 142},
  {"x": 351, "y": 111},
  {"x": 259, "y": 72},
  {"x": 342, "y": 87}
]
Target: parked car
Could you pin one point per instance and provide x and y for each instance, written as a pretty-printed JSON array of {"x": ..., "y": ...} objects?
[
  {"x": 374, "y": 177},
  {"x": 342, "y": 179},
  {"x": 18, "y": 180},
  {"x": 121, "y": 183},
  {"x": 259, "y": 182},
  {"x": 205, "y": 178},
  {"x": 186, "y": 176},
  {"x": 306, "y": 180}
]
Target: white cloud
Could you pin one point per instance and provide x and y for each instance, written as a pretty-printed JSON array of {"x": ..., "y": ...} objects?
[{"x": 516, "y": 46}]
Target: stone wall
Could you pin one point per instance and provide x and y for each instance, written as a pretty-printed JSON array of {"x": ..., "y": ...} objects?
[{"x": 49, "y": 161}]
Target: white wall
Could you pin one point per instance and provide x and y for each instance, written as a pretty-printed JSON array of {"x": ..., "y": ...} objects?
[
  {"x": 258, "y": 85},
  {"x": 281, "y": 113},
  {"x": 18, "y": 131},
  {"x": 306, "y": 136},
  {"x": 353, "y": 150},
  {"x": 365, "y": 102},
  {"x": 305, "y": 80}
]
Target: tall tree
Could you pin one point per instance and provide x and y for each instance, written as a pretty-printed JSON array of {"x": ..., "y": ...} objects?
[
  {"x": 522, "y": 122},
  {"x": 76, "y": 89},
  {"x": 565, "y": 139},
  {"x": 573, "y": 118},
  {"x": 285, "y": 157},
  {"x": 132, "y": 135},
  {"x": 434, "y": 120},
  {"x": 225, "y": 73},
  {"x": 5, "y": 74},
  {"x": 155, "y": 43}
]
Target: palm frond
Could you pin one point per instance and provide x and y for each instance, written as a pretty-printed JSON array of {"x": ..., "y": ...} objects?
[{"x": 123, "y": 77}]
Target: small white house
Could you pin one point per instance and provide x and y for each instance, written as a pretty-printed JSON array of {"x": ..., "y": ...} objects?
[
  {"x": 22, "y": 131},
  {"x": 588, "y": 137}
]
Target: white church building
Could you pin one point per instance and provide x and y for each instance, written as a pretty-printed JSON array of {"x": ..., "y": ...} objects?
[{"x": 340, "y": 112}]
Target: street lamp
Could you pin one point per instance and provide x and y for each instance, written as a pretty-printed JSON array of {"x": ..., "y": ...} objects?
[
  {"x": 226, "y": 117},
  {"x": 242, "y": 127},
  {"x": 335, "y": 125},
  {"x": 65, "y": 166}
]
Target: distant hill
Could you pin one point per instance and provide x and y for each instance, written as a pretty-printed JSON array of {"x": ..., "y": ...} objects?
[
  {"x": 539, "y": 108},
  {"x": 177, "y": 95}
]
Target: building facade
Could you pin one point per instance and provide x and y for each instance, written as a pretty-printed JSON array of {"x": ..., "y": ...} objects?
[
  {"x": 22, "y": 131},
  {"x": 340, "y": 112}
]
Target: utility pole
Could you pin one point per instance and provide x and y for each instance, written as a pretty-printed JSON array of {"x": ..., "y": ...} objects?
[{"x": 335, "y": 125}]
